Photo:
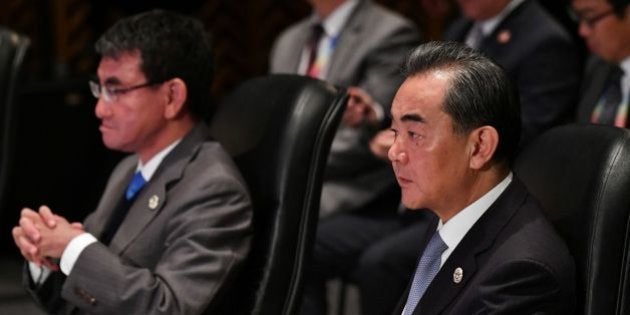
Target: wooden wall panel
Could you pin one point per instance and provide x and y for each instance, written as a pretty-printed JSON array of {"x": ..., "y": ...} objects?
[{"x": 63, "y": 31}]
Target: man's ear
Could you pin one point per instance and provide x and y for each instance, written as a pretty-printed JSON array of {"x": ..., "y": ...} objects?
[
  {"x": 177, "y": 93},
  {"x": 484, "y": 141}
]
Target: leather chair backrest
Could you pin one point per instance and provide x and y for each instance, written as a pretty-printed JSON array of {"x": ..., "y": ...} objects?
[
  {"x": 278, "y": 129},
  {"x": 13, "y": 48},
  {"x": 581, "y": 175}
]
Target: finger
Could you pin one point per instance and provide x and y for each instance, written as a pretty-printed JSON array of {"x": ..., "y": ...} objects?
[
  {"x": 27, "y": 246},
  {"x": 17, "y": 232},
  {"x": 47, "y": 216},
  {"x": 29, "y": 213},
  {"x": 30, "y": 230},
  {"x": 50, "y": 264},
  {"x": 77, "y": 225}
]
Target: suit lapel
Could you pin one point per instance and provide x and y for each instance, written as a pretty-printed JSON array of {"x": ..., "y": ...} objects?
[
  {"x": 152, "y": 198},
  {"x": 114, "y": 192},
  {"x": 443, "y": 289},
  {"x": 348, "y": 40},
  {"x": 294, "y": 55},
  {"x": 504, "y": 31}
]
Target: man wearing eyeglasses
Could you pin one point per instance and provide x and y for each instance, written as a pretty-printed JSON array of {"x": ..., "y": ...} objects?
[
  {"x": 605, "y": 26},
  {"x": 174, "y": 221}
]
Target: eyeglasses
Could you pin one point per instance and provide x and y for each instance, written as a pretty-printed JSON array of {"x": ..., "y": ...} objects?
[
  {"x": 591, "y": 21},
  {"x": 110, "y": 94}
]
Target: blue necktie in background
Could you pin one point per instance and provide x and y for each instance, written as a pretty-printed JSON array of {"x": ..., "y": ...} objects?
[
  {"x": 137, "y": 182},
  {"x": 428, "y": 267}
]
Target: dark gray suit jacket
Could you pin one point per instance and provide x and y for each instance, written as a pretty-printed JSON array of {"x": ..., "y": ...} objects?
[
  {"x": 513, "y": 262},
  {"x": 181, "y": 241},
  {"x": 541, "y": 58},
  {"x": 369, "y": 52}
]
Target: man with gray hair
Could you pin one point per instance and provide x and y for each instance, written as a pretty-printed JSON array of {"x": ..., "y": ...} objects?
[{"x": 456, "y": 124}]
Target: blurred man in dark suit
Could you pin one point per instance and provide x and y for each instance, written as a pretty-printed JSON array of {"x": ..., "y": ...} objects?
[
  {"x": 605, "y": 25},
  {"x": 456, "y": 125},
  {"x": 539, "y": 55}
]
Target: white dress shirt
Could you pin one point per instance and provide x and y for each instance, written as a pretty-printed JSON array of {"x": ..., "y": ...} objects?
[{"x": 454, "y": 230}]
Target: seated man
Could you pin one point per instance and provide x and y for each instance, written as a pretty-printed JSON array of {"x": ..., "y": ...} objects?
[
  {"x": 605, "y": 25},
  {"x": 359, "y": 45},
  {"x": 456, "y": 124},
  {"x": 538, "y": 54},
  {"x": 170, "y": 240}
]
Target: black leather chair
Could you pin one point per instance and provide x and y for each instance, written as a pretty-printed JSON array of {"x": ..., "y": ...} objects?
[
  {"x": 279, "y": 130},
  {"x": 581, "y": 175},
  {"x": 13, "y": 48}
]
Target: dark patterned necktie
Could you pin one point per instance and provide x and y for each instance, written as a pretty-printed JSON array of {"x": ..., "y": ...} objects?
[
  {"x": 608, "y": 105},
  {"x": 313, "y": 45}
]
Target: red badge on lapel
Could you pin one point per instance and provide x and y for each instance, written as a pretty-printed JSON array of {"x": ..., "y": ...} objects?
[{"x": 504, "y": 36}]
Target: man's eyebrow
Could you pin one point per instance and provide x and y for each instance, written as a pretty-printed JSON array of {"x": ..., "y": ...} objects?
[{"x": 412, "y": 118}]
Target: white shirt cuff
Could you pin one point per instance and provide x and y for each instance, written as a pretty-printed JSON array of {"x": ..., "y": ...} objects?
[
  {"x": 378, "y": 111},
  {"x": 38, "y": 274},
  {"x": 73, "y": 250}
]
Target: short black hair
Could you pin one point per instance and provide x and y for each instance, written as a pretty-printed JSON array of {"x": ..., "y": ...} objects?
[
  {"x": 479, "y": 92},
  {"x": 619, "y": 6},
  {"x": 171, "y": 45}
]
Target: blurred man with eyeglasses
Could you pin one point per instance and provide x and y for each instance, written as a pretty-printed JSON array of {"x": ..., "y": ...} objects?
[
  {"x": 605, "y": 26},
  {"x": 174, "y": 221}
]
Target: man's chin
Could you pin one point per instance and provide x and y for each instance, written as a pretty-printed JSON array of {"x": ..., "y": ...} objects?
[{"x": 410, "y": 203}]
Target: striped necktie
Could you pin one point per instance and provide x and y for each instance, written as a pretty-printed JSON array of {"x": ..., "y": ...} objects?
[{"x": 609, "y": 109}]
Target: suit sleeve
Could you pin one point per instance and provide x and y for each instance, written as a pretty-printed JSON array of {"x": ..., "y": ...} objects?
[
  {"x": 204, "y": 241},
  {"x": 379, "y": 74},
  {"x": 524, "y": 287},
  {"x": 548, "y": 95}
]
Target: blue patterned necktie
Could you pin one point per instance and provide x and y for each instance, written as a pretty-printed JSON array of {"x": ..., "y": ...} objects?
[
  {"x": 137, "y": 182},
  {"x": 428, "y": 267}
]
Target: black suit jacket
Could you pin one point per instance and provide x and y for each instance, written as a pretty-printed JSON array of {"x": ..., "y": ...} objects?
[
  {"x": 541, "y": 58},
  {"x": 598, "y": 74},
  {"x": 513, "y": 262}
]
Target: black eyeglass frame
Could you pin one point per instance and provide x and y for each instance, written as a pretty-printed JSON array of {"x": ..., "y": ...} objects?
[
  {"x": 590, "y": 22},
  {"x": 111, "y": 94}
]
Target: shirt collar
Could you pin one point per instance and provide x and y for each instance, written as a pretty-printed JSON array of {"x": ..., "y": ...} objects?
[
  {"x": 151, "y": 166},
  {"x": 488, "y": 26},
  {"x": 333, "y": 24},
  {"x": 625, "y": 66},
  {"x": 454, "y": 230}
]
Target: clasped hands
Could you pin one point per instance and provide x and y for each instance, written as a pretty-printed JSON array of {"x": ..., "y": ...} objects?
[{"x": 43, "y": 236}]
